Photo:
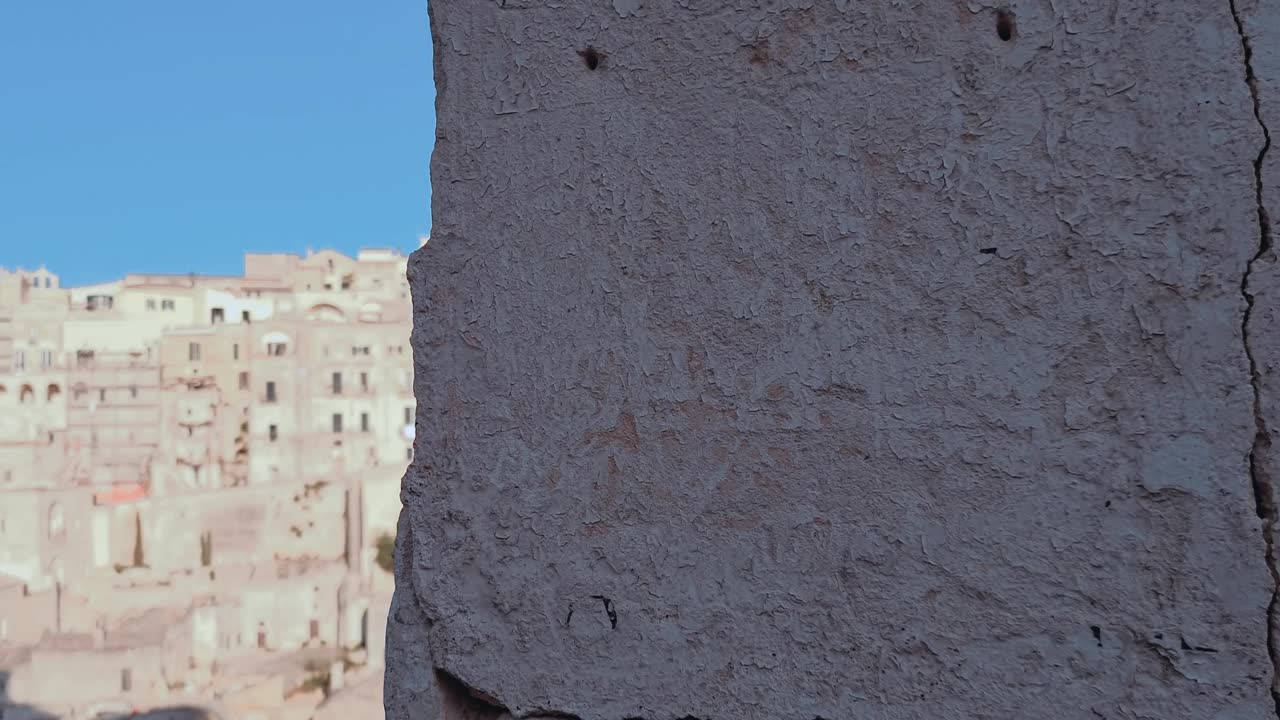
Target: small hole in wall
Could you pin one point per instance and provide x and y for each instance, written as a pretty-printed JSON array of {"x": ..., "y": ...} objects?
[
  {"x": 591, "y": 57},
  {"x": 1004, "y": 25}
]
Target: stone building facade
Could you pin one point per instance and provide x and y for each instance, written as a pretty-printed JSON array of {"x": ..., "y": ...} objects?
[{"x": 199, "y": 445}]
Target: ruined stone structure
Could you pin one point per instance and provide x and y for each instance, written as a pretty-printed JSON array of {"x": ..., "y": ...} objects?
[{"x": 845, "y": 359}]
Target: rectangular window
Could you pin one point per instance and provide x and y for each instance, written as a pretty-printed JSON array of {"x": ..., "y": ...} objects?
[
  {"x": 364, "y": 422},
  {"x": 364, "y": 381},
  {"x": 408, "y": 416},
  {"x": 408, "y": 453},
  {"x": 126, "y": 680},
  {"x": 273, "y": 432},
  {"x": 216, "y": 316},
  {"x": 337, "y": 383},
  {"x": 84, "y": 358},
  {"x": 46, "y": 358},
  {"x": 337, "y": 422},
  {"x": 151, "y": 303},
  {"x": 19, "y": 360},
  {"x": 166, "y": 304},
  {"x": 193, "y": 351},
  {"x": 133, "y": 391},
  {"x": 235, "y": 351},
  {"x": 102, "y": 395},
  {"x": 244, "y": 316},
  {"x": 271, "y": 392},
  {"x": 275, "y": 349},
  {"x": 244, "y": 381}
]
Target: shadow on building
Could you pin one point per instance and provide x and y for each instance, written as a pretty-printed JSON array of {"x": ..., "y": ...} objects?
[{"x": 10, "y": 710}]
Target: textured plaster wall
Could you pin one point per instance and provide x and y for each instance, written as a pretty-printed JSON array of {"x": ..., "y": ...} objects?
[{"x": 844, "y": 359}]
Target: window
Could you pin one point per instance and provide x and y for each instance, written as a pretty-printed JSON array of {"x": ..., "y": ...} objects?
[
  {"x": 337, "y": 383},
  {"x": 364, "y": 381},
  {"x": 126, "y": 680},
  {"x": 46, "y": 358},
  {"x": 151, "y": 303},
  {"x": 193, "y": 351},
  {"x": 166, "y": 304},
  {"x": 337, "y": 422},
  {"x": 244, "y": 381},
  {"x": 216, "y": 316},
  {"x": 102, "y": 394},
  {"x": 47, "y": 282},
  {"x": 244, "y": 316},
  {"x": 84, "y": 358},
  {"x": 408, "y": 453},
  {"x": 408, "y": 416},
  {"x": 360, "y": 350},
  {"x": 19, "y": 360},
  {"x": 275, "y": 349},
  {"x": 364, "y": 422},
  {"x": 235, "y": 351},
  {"x": 57, "y": 524},
  {"x": 133, "y": 391},
  {"x": 271, "y": 392},
  {"x": 273, "y": 432}
]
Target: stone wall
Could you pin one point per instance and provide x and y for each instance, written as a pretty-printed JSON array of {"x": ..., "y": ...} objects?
[{"x": 844, "y": 358}]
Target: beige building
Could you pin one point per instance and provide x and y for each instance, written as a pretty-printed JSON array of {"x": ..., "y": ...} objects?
[{"x": 200, "y": 445}]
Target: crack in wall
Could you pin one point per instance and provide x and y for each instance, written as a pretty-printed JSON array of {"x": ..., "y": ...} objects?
[{"x": 1258, "y": 471}]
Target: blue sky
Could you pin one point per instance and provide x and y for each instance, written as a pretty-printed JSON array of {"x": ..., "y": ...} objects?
[{"x": 165, "y": 136}]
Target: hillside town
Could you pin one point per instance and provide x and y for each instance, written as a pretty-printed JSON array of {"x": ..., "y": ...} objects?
[{"x": 199, "y": 481}]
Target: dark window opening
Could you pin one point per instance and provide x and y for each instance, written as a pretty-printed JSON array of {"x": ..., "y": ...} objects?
[
  {"x": 193, "y": 351},
  {"x": 273, "y": 433},
  {"x": 244, "y": 381},
  {"x": 337, "y": 383},
  {"x": 216, "y": 316},
  {"x": 364, "y": 422},
  {"x": 337, "y": 422},
  {"x": 271, "y": 392}
]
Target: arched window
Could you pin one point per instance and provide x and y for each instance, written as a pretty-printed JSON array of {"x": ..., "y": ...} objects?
[
  {"x": 27, "y": 394},
  {"x": 53, "y": 392}
]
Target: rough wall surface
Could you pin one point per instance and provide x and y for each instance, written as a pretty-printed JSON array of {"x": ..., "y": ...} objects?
[{"x": 845, "y": 359}]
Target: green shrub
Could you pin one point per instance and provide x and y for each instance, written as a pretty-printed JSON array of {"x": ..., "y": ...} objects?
[{"x": 386, "y": 552}]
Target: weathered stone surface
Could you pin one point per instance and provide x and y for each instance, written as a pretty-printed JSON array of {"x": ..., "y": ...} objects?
[{"x": 844, "y": 359}]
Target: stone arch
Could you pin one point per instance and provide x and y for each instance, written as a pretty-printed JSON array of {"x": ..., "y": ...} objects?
[{"x": 326, "y": 312}]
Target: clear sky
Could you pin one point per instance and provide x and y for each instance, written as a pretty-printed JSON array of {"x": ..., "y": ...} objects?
[{"x": 173, "y": 136}]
